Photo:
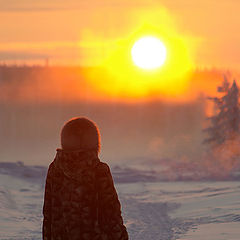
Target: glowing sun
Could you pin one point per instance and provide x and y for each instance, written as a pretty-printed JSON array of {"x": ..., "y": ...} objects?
[{"x": 149, "y": 53}]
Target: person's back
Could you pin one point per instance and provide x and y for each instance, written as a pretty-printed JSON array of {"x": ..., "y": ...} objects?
[{"x": 80, "y": 199}]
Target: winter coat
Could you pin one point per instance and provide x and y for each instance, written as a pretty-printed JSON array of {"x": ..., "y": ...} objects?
[{"x": 80, "y": 201}]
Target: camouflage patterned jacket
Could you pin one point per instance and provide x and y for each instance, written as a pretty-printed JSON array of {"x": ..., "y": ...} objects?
[{"x": 80, "y": 201}]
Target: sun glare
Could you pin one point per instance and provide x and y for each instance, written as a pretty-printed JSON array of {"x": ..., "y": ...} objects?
[
  {"x": 152, "y": 62},
  {"x": 149, "y": 53}
]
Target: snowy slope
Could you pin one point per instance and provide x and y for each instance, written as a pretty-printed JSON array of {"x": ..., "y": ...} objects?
[{"x": 152, "y": 210}]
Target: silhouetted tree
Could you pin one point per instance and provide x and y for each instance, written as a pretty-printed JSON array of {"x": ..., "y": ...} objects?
[{"x": 225, "y": 124}]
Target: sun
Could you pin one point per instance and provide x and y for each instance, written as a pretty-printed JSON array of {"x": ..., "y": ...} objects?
[{"x": 149, "y": 53}]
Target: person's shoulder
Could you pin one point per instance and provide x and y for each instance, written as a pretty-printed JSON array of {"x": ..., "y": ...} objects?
[
  {"x": 51, "y": 168},
  {"x": 103, "y": 168},
  {"x": 104, "y": 174}
]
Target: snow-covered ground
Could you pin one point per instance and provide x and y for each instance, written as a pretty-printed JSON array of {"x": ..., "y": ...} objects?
[{"x": 152, "y": 209}]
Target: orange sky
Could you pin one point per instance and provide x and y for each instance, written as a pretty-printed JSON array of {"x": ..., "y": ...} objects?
[{"x": 85, "y": 33}]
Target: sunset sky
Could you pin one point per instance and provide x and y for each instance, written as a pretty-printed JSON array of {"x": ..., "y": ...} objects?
[
  {"x": 89, "y": 32},
  {"x": 202, "y": 41}
]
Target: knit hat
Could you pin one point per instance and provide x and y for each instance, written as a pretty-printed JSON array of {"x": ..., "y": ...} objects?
[{"x": 80, "y": 134}]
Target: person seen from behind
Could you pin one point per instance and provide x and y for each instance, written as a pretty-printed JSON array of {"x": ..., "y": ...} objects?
[{"x": 80, "y": 201}]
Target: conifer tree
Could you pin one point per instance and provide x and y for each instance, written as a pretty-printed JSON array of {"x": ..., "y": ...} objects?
[{"x": 225, "y": 124}]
